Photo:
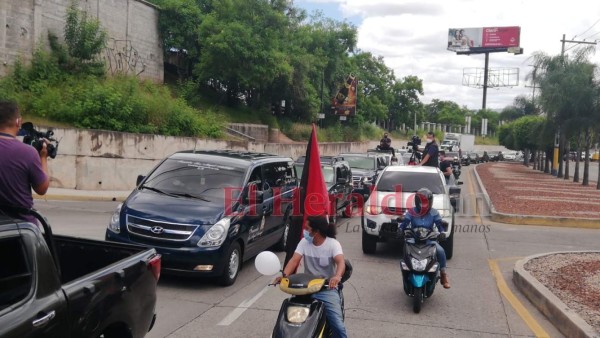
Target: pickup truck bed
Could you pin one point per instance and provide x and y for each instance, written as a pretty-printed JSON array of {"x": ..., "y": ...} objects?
[{"x": 103, "y": 289}]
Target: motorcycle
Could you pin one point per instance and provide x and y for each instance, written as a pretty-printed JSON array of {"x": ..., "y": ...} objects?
[
  {"x": 420, "y": 268},
  {"x": 456, "y": 168},
  {"x": 301, "y": 315}
]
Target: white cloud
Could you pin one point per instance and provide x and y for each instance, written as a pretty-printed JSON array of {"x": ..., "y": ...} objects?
[{"x": 412, "y": 37}]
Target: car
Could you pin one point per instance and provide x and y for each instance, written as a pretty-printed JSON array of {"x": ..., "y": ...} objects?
[
  {"x": 510, "y": 156},
  {"x": 338, "y": 179},
  {"x": 397, "y": 185},
  {"x": 208, "y": 211},
  {"x": 495, "y": 156},
  {"x": 62, "y": 286},
  {"x": 365, "y": 166},
  {"x": 465, "y": 159},
  {"x": 451, "y": 155},
  {"x": 475, "y": 158}
]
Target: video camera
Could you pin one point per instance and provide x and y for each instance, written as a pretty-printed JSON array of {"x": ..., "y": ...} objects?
[
  {"x": 415, "y": 142},
  {"x": 35, "y": 139}
]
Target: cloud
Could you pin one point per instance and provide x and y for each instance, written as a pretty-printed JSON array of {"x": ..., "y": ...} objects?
[
  {"x": 389, "y": 8},
  {"x": 412, "y": 38}
]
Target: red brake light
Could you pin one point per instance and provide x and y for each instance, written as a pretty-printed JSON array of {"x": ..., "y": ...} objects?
[{"x": 154, "y": 266}]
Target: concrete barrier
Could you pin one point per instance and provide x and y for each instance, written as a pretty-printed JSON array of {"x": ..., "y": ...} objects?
[{"x": 106, "y": 160}]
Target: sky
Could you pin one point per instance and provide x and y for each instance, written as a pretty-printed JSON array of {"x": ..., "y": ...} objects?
[{"x": 412, "y": 37}]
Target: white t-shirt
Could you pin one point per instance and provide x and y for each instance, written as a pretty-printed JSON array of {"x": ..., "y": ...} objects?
[{"x": 318, "y": 260}]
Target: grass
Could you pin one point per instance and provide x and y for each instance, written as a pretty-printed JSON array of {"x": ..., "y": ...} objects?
[{"x": 486, "y": 141}]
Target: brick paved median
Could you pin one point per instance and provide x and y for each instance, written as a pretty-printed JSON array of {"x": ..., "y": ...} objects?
[{"x": 516, "y": 189}]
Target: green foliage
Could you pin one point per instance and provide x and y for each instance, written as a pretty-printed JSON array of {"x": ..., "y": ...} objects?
[
  {"x": 85, "y": 39},
  {"x": 523, "y": 133},
  {"x": 121, "y": 103}
]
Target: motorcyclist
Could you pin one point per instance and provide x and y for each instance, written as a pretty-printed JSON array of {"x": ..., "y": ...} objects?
[
  {"x": 323, "y": 256},
  {"x": 386, "y": 144},
  {"x": 445, "y": 165},
  {"x": 424, "y": 215}
]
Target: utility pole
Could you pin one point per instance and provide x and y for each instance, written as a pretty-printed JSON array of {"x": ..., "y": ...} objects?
[{"x": 562, "y": 52}]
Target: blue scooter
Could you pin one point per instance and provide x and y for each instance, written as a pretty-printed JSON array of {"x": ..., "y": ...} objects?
[{"x": 420, "y": 268}]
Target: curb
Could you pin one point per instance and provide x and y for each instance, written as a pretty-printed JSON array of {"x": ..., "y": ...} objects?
[
  {"x": 554, "y": 221},
  {"x": 58, "y": 197},
  {"x": 564, "y": 319}
]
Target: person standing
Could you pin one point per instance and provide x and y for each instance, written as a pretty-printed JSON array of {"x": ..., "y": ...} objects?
[
  {"x": 431, "y": 152},
  {"x": 22, "y": 167}
]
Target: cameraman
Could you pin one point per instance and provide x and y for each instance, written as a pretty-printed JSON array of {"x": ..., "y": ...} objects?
[
  {"x": 430, "y": 153},
  {"x": 21, "y": 168}
]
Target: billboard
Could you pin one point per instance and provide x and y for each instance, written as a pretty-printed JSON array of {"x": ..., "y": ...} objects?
[
  {"x": 344, "y": 103},
  {"x": 484, "y": 39}
]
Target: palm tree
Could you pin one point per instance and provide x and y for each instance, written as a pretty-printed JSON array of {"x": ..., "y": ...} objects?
[{"x": 568, "y": 96}]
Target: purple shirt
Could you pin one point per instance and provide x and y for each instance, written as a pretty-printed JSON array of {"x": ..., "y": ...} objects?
[{"x": 20, "y": 169}]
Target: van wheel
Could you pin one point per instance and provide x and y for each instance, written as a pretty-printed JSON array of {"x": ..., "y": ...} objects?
[
  {"x": 369, "y": 243},
  {"x": 282, "y": 244},
  {"x": 233, "y": 263}
]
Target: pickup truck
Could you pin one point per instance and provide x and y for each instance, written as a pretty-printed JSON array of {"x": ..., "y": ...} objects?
[{"x": 59, "y": 286}]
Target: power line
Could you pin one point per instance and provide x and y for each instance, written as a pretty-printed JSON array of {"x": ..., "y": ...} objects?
[
  {"x": 563, "y": 50},
  {"x": 587, "y": 30}
]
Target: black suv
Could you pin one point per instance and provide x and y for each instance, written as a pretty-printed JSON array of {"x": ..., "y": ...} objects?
[
  {"x": 206, "y": 212},
  {"x": 365, "y": 167},
  {"x": 338, "y": 179}
]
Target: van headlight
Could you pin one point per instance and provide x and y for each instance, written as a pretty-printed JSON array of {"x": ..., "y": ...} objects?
[
  {"x": 297, "y": 314},
  {"x": 115, "y": 220},
  {"x": 373, "y": 209},
  {"x": 216, "y": 235}
]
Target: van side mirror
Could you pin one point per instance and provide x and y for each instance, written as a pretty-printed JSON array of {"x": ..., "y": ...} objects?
[{"x": 139, "y": 180}]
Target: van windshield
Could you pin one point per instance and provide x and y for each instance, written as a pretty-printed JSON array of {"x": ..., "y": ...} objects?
[
  {"x": 327, "y": 172},
  {"x": 195, "y": 179},
  {"x": 361, "y": 162},
  {"x": 410, "y": 182}
]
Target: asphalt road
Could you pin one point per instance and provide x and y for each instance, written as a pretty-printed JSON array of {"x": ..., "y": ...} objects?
[{"x": 477, "y": 305}]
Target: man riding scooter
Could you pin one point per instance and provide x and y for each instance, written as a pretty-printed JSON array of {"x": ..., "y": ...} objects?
[
  {"x": 323, "y": 256},
  {"x": 424, "y": 215}
]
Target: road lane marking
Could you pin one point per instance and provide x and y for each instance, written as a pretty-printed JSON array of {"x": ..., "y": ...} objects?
[
  {"x": 472, "y": 191},
  {"x": 514, "y": 301},
  {"x": 238, "y": 311},
  {"x": 508, "y": 259}
]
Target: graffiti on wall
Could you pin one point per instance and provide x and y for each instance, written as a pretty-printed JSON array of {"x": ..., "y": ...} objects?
[{"x": 123, "y": 58}]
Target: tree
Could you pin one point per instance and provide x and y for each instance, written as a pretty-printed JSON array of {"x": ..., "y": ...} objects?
[{"x": 568, "y": 94}]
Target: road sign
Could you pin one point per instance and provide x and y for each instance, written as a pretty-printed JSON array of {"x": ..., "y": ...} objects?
[
  {"x": 321, "y": 116},
  {"x": 342, "y": 118}
]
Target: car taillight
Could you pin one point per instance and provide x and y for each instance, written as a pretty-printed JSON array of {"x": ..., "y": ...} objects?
[{"x": 154, "y": 266}]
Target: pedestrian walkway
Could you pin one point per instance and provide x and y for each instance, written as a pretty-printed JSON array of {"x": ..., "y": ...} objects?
[
  {"x": 83, "y": 195},
  {"x": 516, "y": 189}
]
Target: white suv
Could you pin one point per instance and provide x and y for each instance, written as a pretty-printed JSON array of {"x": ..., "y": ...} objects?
[{"x": 393, "y": 192}]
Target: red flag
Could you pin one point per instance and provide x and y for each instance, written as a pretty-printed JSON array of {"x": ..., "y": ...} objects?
[{"x": 314, "y": 198}]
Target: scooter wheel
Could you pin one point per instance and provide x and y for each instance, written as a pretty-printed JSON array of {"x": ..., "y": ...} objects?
[{"x": 418, "y": 300}]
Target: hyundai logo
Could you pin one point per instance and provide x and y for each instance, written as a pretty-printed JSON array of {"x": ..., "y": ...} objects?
[{"x": 157, "y": 230}]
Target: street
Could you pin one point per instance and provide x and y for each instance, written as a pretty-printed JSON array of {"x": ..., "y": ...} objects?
[{"x": 477, "y": 305}]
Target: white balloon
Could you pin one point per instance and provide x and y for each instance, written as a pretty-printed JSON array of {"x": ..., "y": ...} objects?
[{"x": 267, "y": 263}]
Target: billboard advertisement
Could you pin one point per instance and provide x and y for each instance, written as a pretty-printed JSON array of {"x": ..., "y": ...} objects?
[
  {"x": 484, "y": 39},
  {"x": 344, "y": 103}
]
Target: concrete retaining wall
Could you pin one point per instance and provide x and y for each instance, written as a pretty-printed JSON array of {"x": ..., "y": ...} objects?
[
  {"x": 134, "y": 45},
  {"x": 259, "y": 132},
  {"x": 104, "y": 160}
]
